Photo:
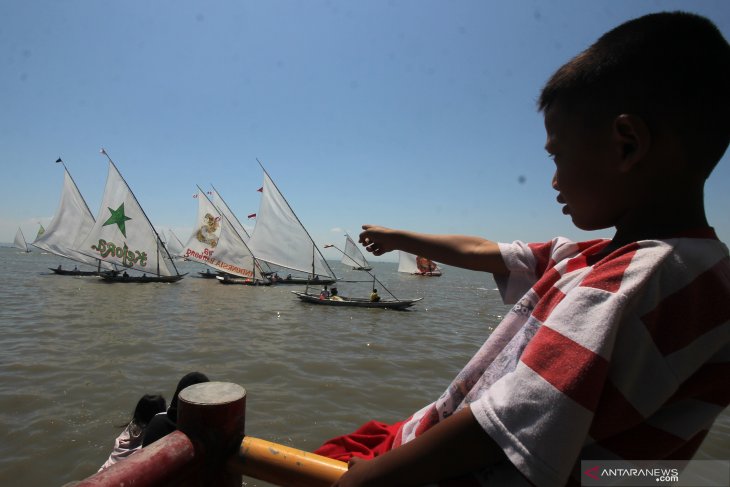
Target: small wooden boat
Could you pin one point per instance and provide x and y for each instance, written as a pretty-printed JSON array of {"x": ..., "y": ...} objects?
[
  {"x": 357, "y": 302},
  {"x": 74, "y": 272},
  {"x": 417, "y": 265},
  {"x": 244, "y": 281},
  {"x": 112, "y": 277},
  {"x": 210, "y": 275}
]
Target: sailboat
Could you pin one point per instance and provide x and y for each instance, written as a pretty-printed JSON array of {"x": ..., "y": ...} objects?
[
  {"x": 353, "y": 256},
  {"x": 70, "y": 225},
  {"x": 123, "y": 235},
  {"x": 335, "y": 299},
  {"x": 226, "y": 212},
  {"x": 174, "y": 245},
  {"x": 280, "y": 239},
  {"x": 417, "y": 265},
  {"x": 215, "y": 243},
  {"x": 20, "y": 242}
]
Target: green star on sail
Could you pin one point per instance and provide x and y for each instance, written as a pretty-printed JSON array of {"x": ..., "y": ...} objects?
[{"x": 118, "y": 218}]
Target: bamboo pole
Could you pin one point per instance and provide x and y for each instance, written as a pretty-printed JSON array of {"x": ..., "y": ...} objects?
[{"x": 284, "y": 466}]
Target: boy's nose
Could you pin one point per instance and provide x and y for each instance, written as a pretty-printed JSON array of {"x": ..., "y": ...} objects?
[{"x": 555, "y": 181}]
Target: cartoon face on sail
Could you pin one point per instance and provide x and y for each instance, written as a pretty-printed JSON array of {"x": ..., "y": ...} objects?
[{"x": 208, "y": 233}]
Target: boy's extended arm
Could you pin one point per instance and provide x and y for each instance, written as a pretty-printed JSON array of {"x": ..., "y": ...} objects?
[
  {"x": 474, "y": 253},
  {"x": 455, "y": 446}
]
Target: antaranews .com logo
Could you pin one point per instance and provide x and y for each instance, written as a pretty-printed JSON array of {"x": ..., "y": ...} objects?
[{"x": 639, "y": 473}]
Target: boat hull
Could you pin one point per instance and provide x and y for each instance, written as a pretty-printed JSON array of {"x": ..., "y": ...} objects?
[
  {"x": 357, "y": 302},
  {"x": 64, "y": 272},
  {"x": 241, "y": 281},
  {"x": 141, "y": 279}
]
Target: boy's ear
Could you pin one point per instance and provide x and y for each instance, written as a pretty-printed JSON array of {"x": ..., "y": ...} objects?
[{"x": 632, "y": 139}]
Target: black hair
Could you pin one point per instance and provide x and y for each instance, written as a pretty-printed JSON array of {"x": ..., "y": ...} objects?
[
  {"x": 146, "y": 409},
  {"x": 671, "y": 68}
]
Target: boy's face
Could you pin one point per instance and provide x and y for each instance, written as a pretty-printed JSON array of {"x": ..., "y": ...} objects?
[{"x": 586, "y": 177}]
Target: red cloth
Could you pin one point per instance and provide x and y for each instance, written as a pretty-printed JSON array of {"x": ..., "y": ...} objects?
[{"x": 368, "y": 441}]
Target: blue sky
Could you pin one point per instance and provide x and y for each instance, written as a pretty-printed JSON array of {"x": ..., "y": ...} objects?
[{"x": 413, "y": 114}]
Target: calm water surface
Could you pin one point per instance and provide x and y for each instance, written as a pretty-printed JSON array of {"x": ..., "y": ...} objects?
[{"x": 77, "y": 353}]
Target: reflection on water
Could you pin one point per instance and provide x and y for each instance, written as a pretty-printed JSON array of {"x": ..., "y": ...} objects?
[{"x": 77, "y": 353}]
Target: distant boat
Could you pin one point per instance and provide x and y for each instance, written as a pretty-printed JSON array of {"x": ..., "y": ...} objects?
[
  {"x": 123, "y": 235},
  {"x": 280, "y": 239},
  {"x": 352, "y": 256},
  {"x": 20, "y": 242},
  {"x": 70, "y": 225},
  {"x": 358, "y": 302},
  {"x": 417, "y": 265}
]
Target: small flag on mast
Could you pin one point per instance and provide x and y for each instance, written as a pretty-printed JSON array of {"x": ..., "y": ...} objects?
[
  {"x": 252, "y": 215},
  {"x": 328, "y": 246},
  {"x": 261, "y": 189},
  {"x": 58, "y": 160}
]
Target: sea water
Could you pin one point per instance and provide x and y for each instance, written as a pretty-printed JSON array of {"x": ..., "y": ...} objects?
[{"x": 77, "y": 353}]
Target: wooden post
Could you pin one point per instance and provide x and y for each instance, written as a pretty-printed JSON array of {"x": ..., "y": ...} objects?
[{"x": 213, "y": 416}]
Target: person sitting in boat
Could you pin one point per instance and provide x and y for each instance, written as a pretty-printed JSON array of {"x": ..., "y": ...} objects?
[
  {"x": 124, "y": 274},
  {"x": 288, "y": 277},
  {"x": 59, "y": 267},
  {"x": 165, "y": 423},
  {"x": 335, "y": 296},
  {"x": 130, "y": 440},
  {"x": 325, "y": 293},
  {"x": 374, "y": 298}
]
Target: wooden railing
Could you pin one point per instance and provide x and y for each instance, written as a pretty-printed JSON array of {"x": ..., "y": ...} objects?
[{"x": 210, "y": 448}]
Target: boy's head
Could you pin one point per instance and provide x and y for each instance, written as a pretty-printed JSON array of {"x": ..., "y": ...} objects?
[{"x": 671, "y": 70}]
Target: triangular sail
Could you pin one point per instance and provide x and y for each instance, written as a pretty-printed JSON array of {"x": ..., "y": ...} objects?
[
  {"x": 415, "y": 264},
  {"x": 223, "y": 208},
  {"x": 41, "y": 231},
  {"x": 174, "y": 245},
  {"x": 70, "y": 225},
  {"x": 279, "y": 237},
  {"x": 19, "y": 241},
  {"x": 216, "y": 243},
  {"x": 122, "y": 233},
  {"x": 352, "y": 255}
]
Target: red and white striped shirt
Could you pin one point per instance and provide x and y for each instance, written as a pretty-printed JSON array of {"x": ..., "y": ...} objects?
[{"x": 624, "y": 356}]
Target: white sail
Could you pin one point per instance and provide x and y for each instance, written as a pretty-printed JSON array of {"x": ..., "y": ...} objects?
[
  {"x": 70, "y": 225},
  {"x": 174, "y": 245},
  {"x": 122, "y": 233},
  {"x": 352, "y": 255},
  {"x": 216, "y": 243},
  {"x": 226, "y": 212},
  {"x": 223, "y": 208},
  {"x": 414, "y": 264},
  {"x": 279, "y": 237},
  {"x": 19, "y": 241}
]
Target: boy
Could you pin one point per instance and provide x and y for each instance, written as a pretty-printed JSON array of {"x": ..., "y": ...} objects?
[{"x": 615, "y": 349}]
